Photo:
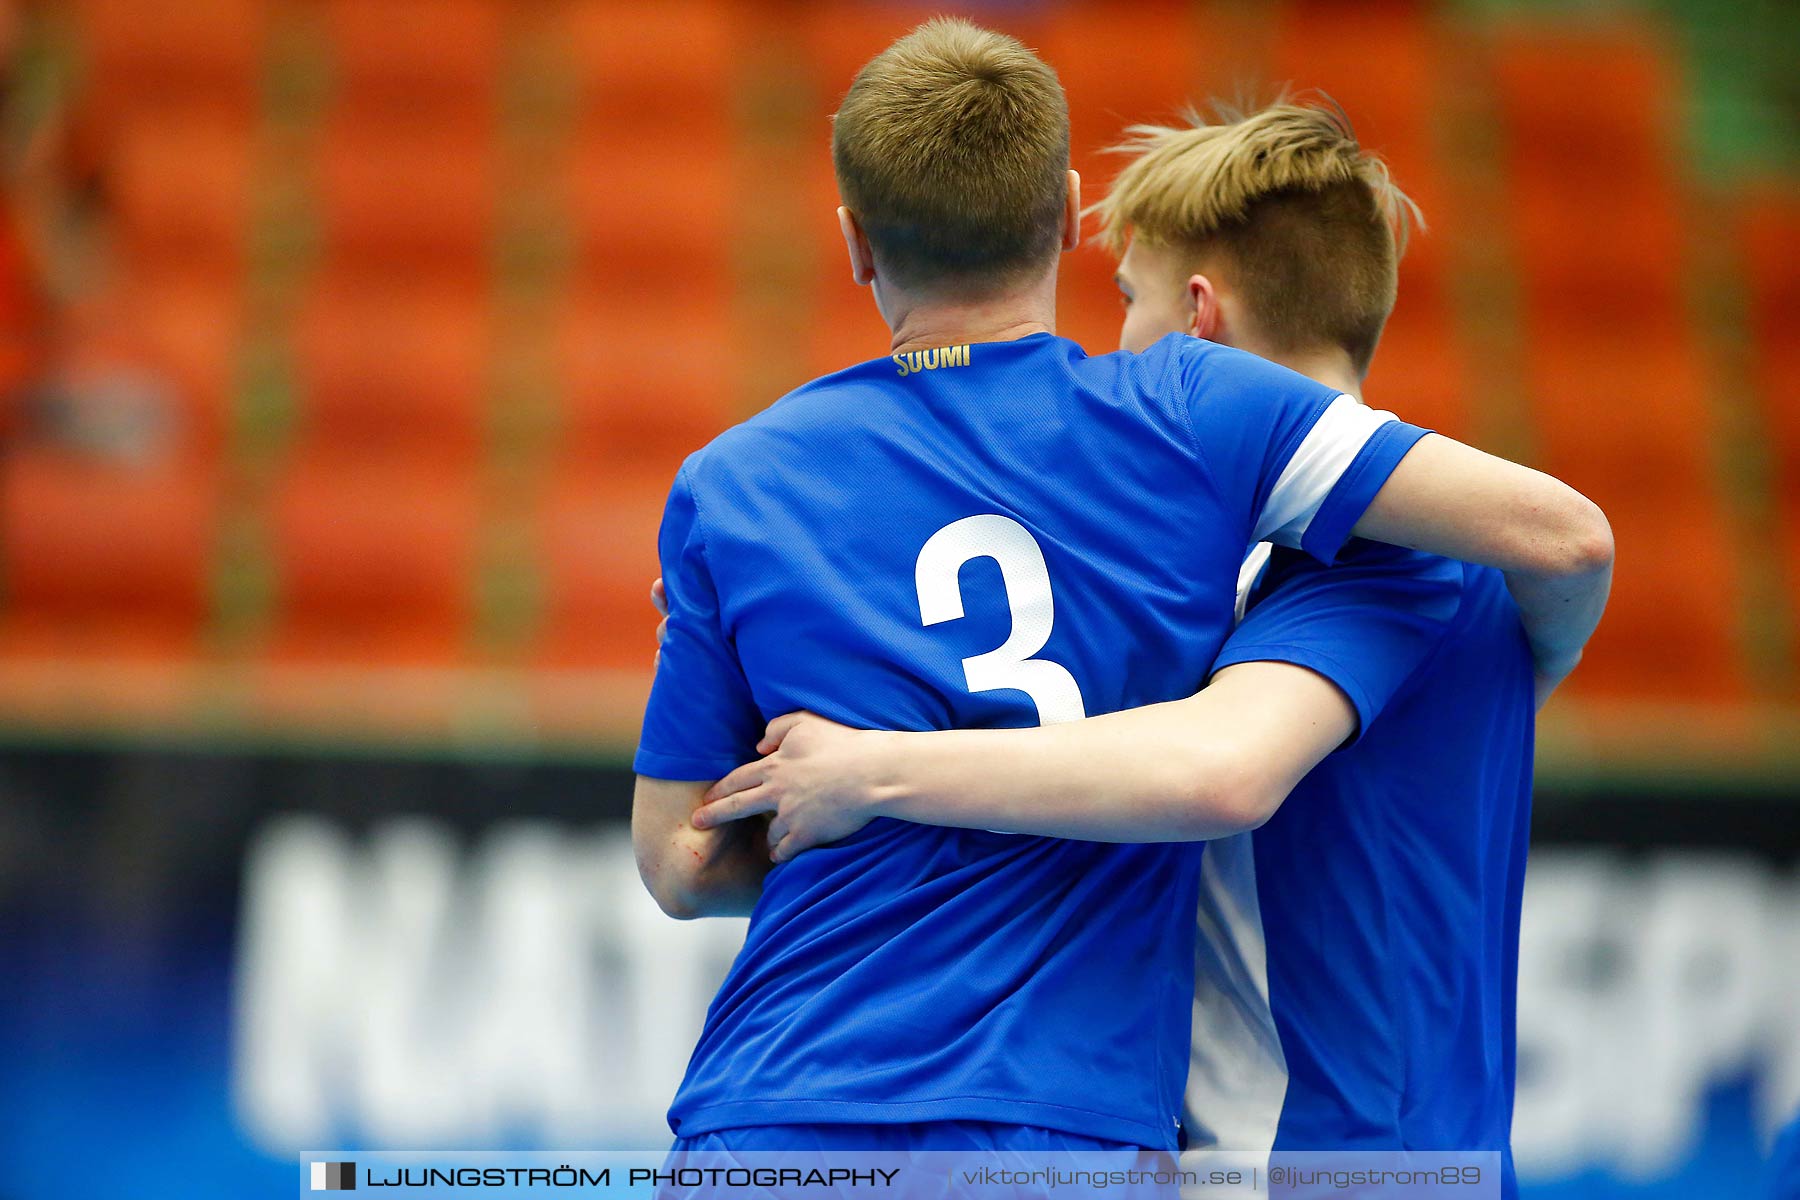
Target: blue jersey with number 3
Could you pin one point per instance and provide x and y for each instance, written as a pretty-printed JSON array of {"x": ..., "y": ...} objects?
[{"x": 993, "y": 535}]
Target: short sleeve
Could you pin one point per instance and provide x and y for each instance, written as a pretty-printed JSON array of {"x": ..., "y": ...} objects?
[
  {"x": 702, "y": 720},
  {"x": 1298, "y": 461},
  {"x": 1366, "y": 624}
]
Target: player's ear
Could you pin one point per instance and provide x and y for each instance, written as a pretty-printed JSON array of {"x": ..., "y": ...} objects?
[
  {"x": 1072, "y": 213},
  {"x": 1205, "y": 317},
  {"x": 862, "y": 258}
]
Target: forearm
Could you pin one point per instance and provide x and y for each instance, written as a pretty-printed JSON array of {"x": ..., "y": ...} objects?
[
  {"x": 1211, "y": 765},
  {"x": 694, "y": 872},
  {"x": 709, "y": 873},
  {"x": 1560, "y": 614},
  {"x": 1148, "y": 775}
]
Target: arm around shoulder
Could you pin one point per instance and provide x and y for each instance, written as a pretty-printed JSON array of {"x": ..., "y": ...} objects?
[
  {"x": 1215, "y": 764},
  {"x": 1450, "y": 499}
]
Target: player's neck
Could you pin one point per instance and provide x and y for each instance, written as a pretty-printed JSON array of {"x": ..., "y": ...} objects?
[
  {"x": 920, "y": 323},
  {"x": 1332, "y": 368}
]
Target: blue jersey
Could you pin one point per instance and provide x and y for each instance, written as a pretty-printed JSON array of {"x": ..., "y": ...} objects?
[
  {"x": 980, "y": 536},
  {"x": 1359, "y": 952}
]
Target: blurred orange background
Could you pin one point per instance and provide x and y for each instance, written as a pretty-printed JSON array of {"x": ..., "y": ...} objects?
[{"x": 350, "y": 345}]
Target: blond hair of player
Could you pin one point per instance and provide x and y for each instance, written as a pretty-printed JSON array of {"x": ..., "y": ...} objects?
[{"x": 1274, "y": 231}]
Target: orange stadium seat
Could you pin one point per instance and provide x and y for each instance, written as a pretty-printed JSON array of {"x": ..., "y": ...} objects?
[
  {"x": 1384, "y": 65},
  {"x": 641, "y": 383},
  {"x": 408, "y": 188},
  {"x": 664, "y": 64},
  {"x": 1578, "y": 255},
  {"x": 597, "y": 546},
  {"x": 1620, "y": 73},
  {"x": 653, "y": 206},
  {"x": 1420, "y": 370},
  {"x": 1625, "y": 411},
  {"x": 180, "y": 180},
  {"x": 1619, "y": 388},
  {"x": 103, "y": 557},
  {"x": 1584, "y": 274},
  {"x": 1768, "y": 232},
  {"x": 645, "y": 346},
  {"x": 1626, "y": 421},
  {"x": 186, "y": 327},
  {"x": 136, "y": 52},
  {"x": 163, "y": 343},
  {"x": 1671, "y": 619},
  {"x": 1086, "y": 43},
  {"x": 374, "y": 559},
  {"x": 394, "y": 364},
  {"x": 635, "y": 199},
  {"x": 416, "y": 53}
]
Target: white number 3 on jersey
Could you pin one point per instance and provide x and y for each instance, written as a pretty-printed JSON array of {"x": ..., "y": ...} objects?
[{"x": 1027, "y": 581}]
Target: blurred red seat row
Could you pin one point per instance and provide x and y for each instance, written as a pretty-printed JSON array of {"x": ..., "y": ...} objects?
[
  {"x": 375, "y": 560},
  {"x": 104, "y": 558},
  {"x": 378, "y": 521},
  {"x": 644, "y": 349},
  {"x": 198, "y": 52},
  {"x": 1421, "y": 369},
  {"x": 1622, "y": 397}
]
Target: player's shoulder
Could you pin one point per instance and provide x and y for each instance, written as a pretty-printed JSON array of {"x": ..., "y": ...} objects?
[
  {"x": 1156, "y": 384},
  {"x": 1211, "y": 388},
  {"x": 828, "y": 403},
  {"x": 1200, "y": 365},
  {"x": 1159, "y": 370}
]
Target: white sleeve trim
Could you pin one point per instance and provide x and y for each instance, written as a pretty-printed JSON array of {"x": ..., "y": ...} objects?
[
  {"x": 1248, "y": 574},
  {"x": 1318, "y": 463}
]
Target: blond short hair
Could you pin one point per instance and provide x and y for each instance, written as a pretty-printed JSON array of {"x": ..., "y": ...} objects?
[
  {"x": 952, "y": 149},
  {"x": 1308, "y": 224}
]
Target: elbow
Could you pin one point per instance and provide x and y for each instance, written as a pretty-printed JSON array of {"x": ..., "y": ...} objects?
[
  {"x": 1250, "y": 808},
  {"x": 1228, "y": 800},
  {"x": 672, "y": 891},
  {"x": 1584, "y": 545},
  {"x": 1591, "y": 551},
  {"x": 678, "y": 903}
]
